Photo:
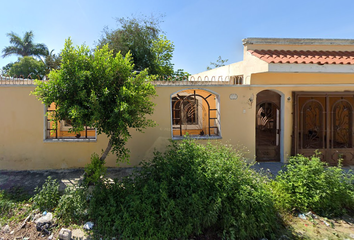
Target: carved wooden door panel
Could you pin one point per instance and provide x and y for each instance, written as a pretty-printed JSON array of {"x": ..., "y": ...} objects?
[
  {"x": 268, "y": 126},
  {"x": 323, "y": 122}
]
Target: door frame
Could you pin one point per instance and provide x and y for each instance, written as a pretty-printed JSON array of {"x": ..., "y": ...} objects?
[{"x": 281, "y": 123}]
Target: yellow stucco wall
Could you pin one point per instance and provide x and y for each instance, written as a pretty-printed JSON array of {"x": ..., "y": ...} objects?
[
  {"x": 301, "y": 78},
  {"x": 22, "y": 145}
]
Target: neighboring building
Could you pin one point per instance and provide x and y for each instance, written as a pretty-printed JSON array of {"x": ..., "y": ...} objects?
[{"x": 287, "y": 96}]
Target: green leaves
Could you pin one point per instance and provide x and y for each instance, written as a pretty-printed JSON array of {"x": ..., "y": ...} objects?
[
  {"x": 308, "y": 184},
  {"x": 24, "y": 46},
  {"x": 219, "y": 63},
  {"x": 183, "y": 192},
  {"x": 27, "y": 67},
  {"x": 99, "y": 89},
  {"x": 94, "y": 170},
  {"x": 140, "y": 37},
  {"x": 47, "y": 197},
  {"x": 163, "y": 51},
  {"x": 72, "y": 205}
]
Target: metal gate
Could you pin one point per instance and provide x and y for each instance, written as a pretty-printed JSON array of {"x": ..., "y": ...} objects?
[
  {"x": 268, "y": 126},
  {"x": 323, "y": 122}
]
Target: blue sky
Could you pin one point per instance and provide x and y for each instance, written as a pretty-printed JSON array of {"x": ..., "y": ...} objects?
[{"x": 201, "y": 30}]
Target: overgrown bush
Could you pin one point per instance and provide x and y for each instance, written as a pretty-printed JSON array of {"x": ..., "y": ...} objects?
[
  {"x": 308, "y": 184},
  {"x": 72, "y": 205},
  {"x": 94, "y": 170},
  {"x": 184, "y": 191},
  {"x": 47, "y": 196}
]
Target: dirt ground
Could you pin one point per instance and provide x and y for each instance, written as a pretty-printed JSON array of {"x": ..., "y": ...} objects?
[
  {"x": 308, "y": 226},
  {"x": 312, "y": 226},
  {"x": 28, "y": 181},
  {"x": 30, "y": 232},
  {"x": 27, "y": 230}
]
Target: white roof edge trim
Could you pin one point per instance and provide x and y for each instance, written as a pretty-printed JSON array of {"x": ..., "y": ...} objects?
[
  {"x": 297, "y": 41},
  {"x": 310, "y": 68}
]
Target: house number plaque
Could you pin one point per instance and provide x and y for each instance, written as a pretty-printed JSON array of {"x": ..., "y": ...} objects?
[{"x": 233, "y": 96}]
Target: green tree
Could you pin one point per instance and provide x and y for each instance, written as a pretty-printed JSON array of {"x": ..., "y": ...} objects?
[
  {"x": 219, "y": 63},
  {"x": 24, "y": 46},
  {"x": 26, "y": 67},
  {"x": 163, "y": 51},
  {"x": 52, "y": 61},
  {"x": 100, "y": 90},
  {"x": 5, "y": 69},
  {"x": 181, "y": 75},
  {"x": 141, "y": 36}
]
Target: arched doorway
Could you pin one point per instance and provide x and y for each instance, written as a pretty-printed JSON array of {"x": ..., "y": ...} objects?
[{"x": 268, "y": 126}]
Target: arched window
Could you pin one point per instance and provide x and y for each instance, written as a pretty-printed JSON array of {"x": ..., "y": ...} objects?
[{"x": 195, "y": 112}]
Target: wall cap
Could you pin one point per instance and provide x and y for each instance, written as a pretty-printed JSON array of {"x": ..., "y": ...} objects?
[{"x": 297, "y": 41}]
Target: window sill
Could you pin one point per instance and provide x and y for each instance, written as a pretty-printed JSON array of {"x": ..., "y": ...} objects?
[
  {"x": 196, "y": 137},
  {"x": 70, "y": 140},
  {"x": 189, "y": 126}
]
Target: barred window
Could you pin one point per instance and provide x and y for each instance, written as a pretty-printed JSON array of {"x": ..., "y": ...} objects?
[
  {"x": 63, "y": 129},
  {"x": 195, "y": 112}
]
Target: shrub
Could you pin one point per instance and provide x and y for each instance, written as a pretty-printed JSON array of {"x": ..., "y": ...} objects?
[
  {"x": 94, "y": 170},
  {"x": 47, "y": 197},
  {"x": 72, "y": 205},
  {"x": 308, "y": 184},
  {"x": 6, "y": 205},
  {"x": 184, "y": 191}
]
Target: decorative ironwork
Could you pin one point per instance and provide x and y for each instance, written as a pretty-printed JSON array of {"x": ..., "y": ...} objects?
[
  {"x": 312, "y": 125},
  {"x": 185, "y": 110},
  {"x": 266, "y": 124},
  {"x": 173, "y": 81},
  {"x": 324, "y": 123},
  {"x": 199, "y": 80},
  {"x": 193, "y": 114},
  {"x": 342, "y": 124},
  {"x": 18, "y": 80}
]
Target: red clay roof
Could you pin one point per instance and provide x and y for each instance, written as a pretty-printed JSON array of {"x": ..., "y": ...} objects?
[{"x": 306, "y": 57}]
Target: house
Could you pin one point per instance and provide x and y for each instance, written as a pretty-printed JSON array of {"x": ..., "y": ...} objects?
[{"x": 287, "y": 96}]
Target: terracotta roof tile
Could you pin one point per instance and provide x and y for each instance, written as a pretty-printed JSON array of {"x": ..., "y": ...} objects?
[{"x": 305, "y": 57}]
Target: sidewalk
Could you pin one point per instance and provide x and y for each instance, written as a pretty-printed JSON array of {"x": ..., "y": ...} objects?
[{"x": 28, "y": 180}]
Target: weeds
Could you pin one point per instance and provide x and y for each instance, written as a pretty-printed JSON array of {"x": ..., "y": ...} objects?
[
  {"x": 6, "y": 206},
  {"x": 72, "y": 205},
  {"x": 47, "y": 197},
  {"x": 192, "y": 189},
  {"x": 308, "y": 184},
  {"x": 11, "y": 202},
  {"x": 94, "y": 170},
  {"x": 184, "y": 191}
]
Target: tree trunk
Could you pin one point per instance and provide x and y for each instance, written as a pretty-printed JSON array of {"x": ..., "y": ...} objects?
[{"x": 108, "y": 149}]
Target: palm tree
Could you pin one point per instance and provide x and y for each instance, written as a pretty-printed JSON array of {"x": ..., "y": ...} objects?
[
  {"x": 52, "y": 61},
  {"x": 25, "y": 46}
]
